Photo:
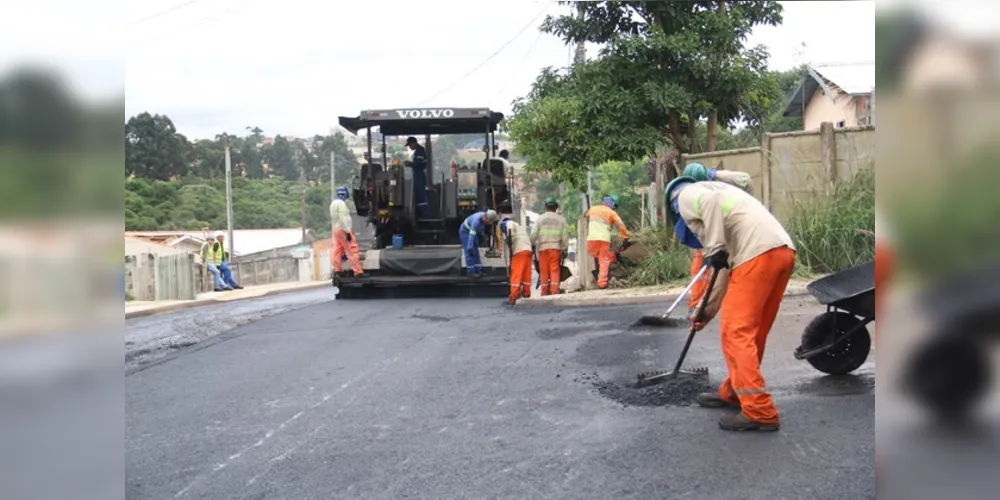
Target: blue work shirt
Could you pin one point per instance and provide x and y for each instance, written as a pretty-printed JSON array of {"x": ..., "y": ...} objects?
[
  {"x": 472, "y": 226},
  {"x": 419, "y": 161}
]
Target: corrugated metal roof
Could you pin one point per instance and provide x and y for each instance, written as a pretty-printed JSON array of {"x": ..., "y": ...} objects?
[
  {"x": 245, "y": 241},
  {"x": 851, "y": 78}
]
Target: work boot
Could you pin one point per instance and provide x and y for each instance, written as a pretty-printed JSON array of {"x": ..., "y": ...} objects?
[
  {"x": 739, "y": 422},
  {"x": 713, "y": 400}
]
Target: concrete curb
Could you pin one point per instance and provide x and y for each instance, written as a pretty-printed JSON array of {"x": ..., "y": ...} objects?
[
  {"x": 569, "y": 301},
  {"x": 207, "y": 302}
]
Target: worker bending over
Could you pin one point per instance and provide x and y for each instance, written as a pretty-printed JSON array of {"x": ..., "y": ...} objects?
[
  {"x": 519, "y": 245},
  {"x": 468, "y": 235},
  {"x": 737, "y": 232},
  {"x": 601, "y": 219},
  {"x": 701, "y": 173},
  {"x": 344, "y": 240},
  {"x": 550, "y": 239}
]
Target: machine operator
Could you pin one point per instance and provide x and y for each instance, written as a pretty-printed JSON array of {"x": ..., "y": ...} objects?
[{"x": 419, "y": 166}]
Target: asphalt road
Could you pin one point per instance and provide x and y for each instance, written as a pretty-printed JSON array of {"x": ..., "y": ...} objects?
[{"x": 467, "y": 399}]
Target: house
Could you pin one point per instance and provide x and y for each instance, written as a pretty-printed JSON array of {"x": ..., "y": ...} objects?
[
  {"x": 842, "y": 94},
  {"x": 245, "y": 241}
]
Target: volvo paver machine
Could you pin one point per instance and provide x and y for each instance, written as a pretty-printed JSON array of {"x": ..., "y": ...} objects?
[{"x": 421, "y": 256}]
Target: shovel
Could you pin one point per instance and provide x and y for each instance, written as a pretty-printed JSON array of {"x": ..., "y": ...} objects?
[
  {"x": 665, "y": 320},
  {"x": 652, "y": 378}
]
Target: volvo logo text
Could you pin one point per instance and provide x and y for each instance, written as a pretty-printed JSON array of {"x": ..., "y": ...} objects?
[{"x": 425, "y": 113}]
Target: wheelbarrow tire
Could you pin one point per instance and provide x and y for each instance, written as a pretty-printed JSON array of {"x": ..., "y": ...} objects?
[
  {"x": 846, "y": 356},
  {"x": 948, "y": 376}
]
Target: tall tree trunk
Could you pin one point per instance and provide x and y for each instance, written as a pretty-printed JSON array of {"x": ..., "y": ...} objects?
[{"x": 712, "y": 131}]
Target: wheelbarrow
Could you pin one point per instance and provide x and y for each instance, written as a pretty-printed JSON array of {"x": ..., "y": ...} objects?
[
  {"x": 837, "y": 342},
  {"x": 951, "y": 371}
]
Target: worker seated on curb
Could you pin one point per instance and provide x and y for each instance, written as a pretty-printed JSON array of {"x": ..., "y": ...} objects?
[
  {"x": 344, "y": 240},
  {"x": 519, "y": 247},
  {"x": 735, "y": 231},
  {"x": 227, "y": 273},
  {"x": 550, "y": 239},
  {"x": 212, "y": 255},
  {"x": 601, "y": 219},
  {"x": 701, "y": 173},
  {"x": 468, "y": 234}
]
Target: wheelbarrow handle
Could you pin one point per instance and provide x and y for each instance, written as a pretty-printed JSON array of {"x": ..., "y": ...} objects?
[{"x": 686, "y": 290}]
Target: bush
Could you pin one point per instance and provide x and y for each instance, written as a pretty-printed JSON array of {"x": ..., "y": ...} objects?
[
  {"x": 830, "y": 234},
  {"x": 836, "y": 232},
  {"x": 668, "y": 262}
]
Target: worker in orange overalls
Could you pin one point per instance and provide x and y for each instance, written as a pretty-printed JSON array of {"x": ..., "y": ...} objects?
[
  {"x": 701, "y": 173},
  {"x": 344, "y": 240},
  {"x": 550, "y": 238},
  {"x": 884, "y": 264},
  {"x": 601, "y": 220},
  {"x": 519, "y": 244},
  {"x": 737, "y": 232}
]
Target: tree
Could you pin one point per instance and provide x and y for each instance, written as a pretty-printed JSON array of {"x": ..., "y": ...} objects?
[
  {"x": 345, "y": 164},
  {"x": 154, "y": 149},
  {"x": 664, "y": 68}
]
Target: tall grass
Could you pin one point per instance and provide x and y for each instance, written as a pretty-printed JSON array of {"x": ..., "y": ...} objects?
[
  {"x": 668, "y": 262},
  {"x": 830, "y": 234},
  {"x": 836, "y": 232}
]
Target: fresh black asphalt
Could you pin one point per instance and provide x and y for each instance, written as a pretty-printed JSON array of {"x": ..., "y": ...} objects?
[{"x": 441, "y": 399}]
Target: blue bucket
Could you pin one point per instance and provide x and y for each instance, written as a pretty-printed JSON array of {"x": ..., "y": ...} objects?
[{"x": 397, "y": 241}]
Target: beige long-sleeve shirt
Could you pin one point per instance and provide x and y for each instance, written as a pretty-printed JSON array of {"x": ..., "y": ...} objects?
[
  {"x": 724, "y": 217},
  {"x": 519, "y": 239},
  {"x": 340, "y": 215},
  {"x": 551, "y": 232}
]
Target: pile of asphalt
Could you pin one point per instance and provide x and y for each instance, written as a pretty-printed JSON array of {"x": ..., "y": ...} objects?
[{"x": 676, "y": 392}]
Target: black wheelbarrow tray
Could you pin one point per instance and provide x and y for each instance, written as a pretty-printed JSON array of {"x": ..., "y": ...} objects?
[{"x": 838, "y": 342}]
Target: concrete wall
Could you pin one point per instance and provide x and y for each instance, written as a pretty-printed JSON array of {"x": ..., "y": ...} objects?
[
  {"x": 180, "y": 277},
  {"x": 797, "y": 165}
]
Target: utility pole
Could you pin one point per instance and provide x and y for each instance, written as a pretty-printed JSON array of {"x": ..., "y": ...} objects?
[
  {"x": 333, "y": 178},
  {"x": 580, "y": 57},
  {"x": 302, "y": 200},
  {"x": 229, "y": 199}
]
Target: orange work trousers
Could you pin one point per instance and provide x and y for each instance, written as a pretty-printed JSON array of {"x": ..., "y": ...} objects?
[
  {"x": 698, "y": 290},
  {"x": 601, "y": 250},
  {"x": 884, "y": 264},
  {"x": 520, "y": 275},
  {"x": 341, "y": 246},
  {"x": 749, "y": 308},
  {"x": 548, "y": 270}
]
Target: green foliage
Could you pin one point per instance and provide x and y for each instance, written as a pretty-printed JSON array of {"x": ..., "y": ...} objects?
[
  {"x": 836, "y": 233},
  {"x": 194, "y": 203},
  {"x": 946, "y": 225},
  {"x": 665, "y": 67},
  {"x": 669, "y": 262},
  {"x": 153, "y": 148}
]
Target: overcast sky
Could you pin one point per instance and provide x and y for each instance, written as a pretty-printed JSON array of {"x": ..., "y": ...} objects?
[{"x": 293, "y": 66}]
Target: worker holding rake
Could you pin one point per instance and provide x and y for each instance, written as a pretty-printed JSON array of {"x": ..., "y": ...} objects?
[
  {"x": 701, "y": 173},
  {"x": 736, "y": 232}
]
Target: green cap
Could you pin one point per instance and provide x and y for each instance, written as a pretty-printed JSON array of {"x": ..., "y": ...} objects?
[
  {"x": 696, "y": 171},
  {"x": 551, "y": 201},
  {"x": 667, "y": 192},
  {"x": 615, "y": 198}
]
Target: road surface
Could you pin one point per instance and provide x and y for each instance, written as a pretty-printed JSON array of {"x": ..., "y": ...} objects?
[{"x": 448, "y": 399}]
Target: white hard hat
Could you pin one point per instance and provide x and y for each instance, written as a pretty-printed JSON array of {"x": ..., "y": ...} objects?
[
  {"x": 491, "y": 215},
  {"x": 219, "y": 234}
]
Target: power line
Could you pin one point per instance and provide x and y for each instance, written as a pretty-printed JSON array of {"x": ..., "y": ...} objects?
[
  {"x": 498, "y": 51},
  {"x": 167, "y": 11},
  {"x": 517, "y": 71}
]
